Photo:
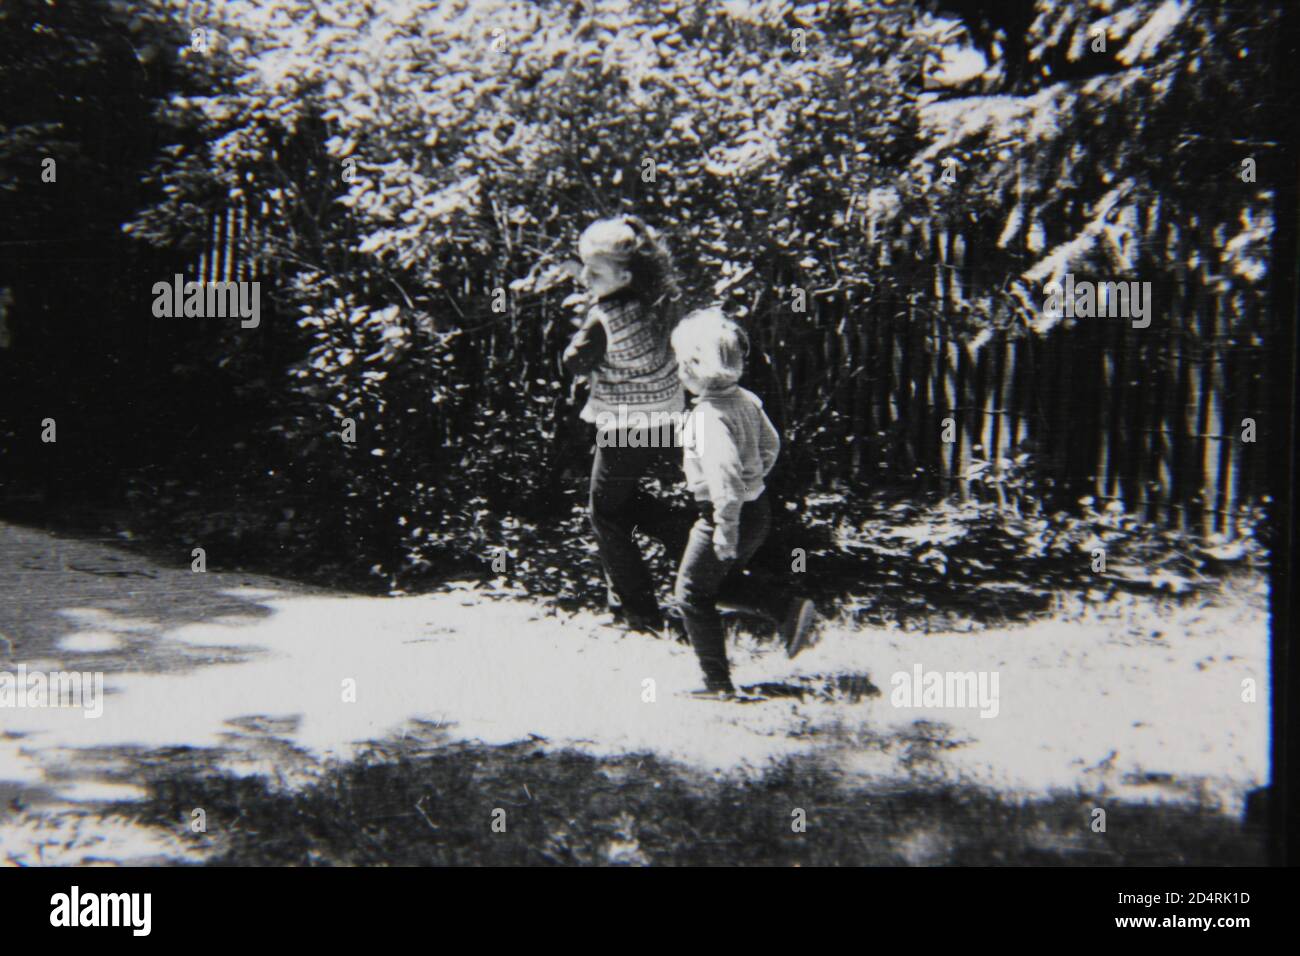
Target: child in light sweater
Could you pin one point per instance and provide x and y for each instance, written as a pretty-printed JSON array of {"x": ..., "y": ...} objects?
[{"x": 728, "y": 448}]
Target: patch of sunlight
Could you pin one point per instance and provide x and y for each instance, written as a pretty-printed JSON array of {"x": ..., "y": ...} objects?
[
  {"x": 90, "y": 642},
  {"x": 1080, "y": 706},
  {"x": 82, "y": 839},
  {"x": 100, "y": 791}
]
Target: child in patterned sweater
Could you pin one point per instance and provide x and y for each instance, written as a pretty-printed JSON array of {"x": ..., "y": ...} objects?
[{"x": 623, "y": 348}]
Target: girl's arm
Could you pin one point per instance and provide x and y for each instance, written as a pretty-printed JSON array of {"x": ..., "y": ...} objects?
[{"x": 586, "y": 348}]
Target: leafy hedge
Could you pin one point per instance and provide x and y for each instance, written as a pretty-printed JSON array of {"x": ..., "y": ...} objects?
[
  {"x": 426, "y": 170},
  {"x": 419, "y": 173}
]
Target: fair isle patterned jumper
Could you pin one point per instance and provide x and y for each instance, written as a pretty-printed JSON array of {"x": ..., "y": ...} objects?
[{"x": 638, "y": 371}]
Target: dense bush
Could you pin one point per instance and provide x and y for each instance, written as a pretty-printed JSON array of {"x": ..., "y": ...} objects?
[
  {"x": 426, "y": 171},
  {"x": 419, "y": 172}
]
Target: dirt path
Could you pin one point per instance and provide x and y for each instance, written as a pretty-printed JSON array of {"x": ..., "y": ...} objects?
[{"x": 262, "y": 676}]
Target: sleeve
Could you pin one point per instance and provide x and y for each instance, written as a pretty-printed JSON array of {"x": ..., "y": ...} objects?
[
  {"x": 587, "y": 347},
  {"x": 769, "y": 442},
  {"x": 720, "y": 462}
]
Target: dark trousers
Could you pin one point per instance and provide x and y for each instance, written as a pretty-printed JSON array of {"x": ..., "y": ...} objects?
[
  {"x": 618, "y": 507},
  {"x": 703, "y": 580}
]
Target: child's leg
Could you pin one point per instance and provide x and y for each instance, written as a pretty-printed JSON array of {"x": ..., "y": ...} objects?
[
  {"x": 615, "y": 475},
  {"x": 756, "y": 594},
  {"x": 765, "y": 595},
  {"x": 657, "y": 517},
  {"x": 699, "y": 580}
]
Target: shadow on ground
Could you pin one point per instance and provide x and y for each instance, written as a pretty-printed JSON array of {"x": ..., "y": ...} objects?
[
  {"x": 92, "y": 604},
  {"x": 568, "y": 808},
  {"x": 229, "y": 694}
]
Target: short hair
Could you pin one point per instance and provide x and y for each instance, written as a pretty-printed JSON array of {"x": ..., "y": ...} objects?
[{"x": 711, "y": 347}]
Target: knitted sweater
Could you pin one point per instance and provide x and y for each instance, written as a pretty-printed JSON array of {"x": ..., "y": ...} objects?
[{"x": 635, "y": 369}]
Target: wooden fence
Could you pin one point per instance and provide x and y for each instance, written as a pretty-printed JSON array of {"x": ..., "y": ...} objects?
[
  {"x": 230, "y": 234},
  {"x": 1152, "y": 418},
  {"x": 1167, "y": 420}
]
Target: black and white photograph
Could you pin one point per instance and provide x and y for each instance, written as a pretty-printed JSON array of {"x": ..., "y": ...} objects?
[{"x": 646, "y": 433}]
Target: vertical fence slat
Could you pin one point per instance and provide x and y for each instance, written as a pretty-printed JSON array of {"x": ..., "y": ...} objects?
[
  {"x": 880, "y": 392},
  {"x": 1231, "y": 445},
  {"x": 1214, "y": 424},
  {"x": 1105, "y": 402},
  {"x": 1146, "y": 417},
  {"x": 926, "y": 372},
  {"x": 1135, "y": 420},
  {"x": 967, "y": 414},
  {"x": 1197, "y": 413},
  {"x": 1168, "y": 417}
]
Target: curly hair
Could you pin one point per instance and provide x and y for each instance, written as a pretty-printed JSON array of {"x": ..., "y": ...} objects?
[{"x": 633, "y": 243}]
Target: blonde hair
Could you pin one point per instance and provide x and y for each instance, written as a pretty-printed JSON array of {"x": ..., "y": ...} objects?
[
  {"x": 711, "y": 347},
  {"x": 630, "y": 242},
  {"x": 611, "y": 238}
]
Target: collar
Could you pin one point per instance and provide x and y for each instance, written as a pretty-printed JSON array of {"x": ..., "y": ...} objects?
[{"x": 719, "y": 392}]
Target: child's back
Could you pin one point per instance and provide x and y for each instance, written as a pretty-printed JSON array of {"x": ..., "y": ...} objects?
[
  {"x": 635, "y": 369},
  {"x": 729, "y": 447},
  {"x": 623, "y": 347}
]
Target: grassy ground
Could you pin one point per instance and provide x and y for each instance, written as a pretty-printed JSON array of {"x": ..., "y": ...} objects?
[
  {"x": 224, "y": 697},
  {"x": 568, "y": 808}
]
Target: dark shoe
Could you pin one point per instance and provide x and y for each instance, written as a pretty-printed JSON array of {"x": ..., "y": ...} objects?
[
  {"x": 644, "y": 625},
  {"x": 717, "y": 685},
  {"x": 797, "y": 625}
]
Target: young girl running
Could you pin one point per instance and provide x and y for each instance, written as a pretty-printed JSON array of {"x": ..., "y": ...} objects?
[{"x": 623, "y": 348}]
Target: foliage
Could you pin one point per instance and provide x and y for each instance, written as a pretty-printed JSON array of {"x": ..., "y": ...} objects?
[
  {"x": 946, "y": 563},
  {"x": 418, "y": 173},
  {"x": 397, "y": 807},
  {"x": 1108, "y": 157},
  {"x": 483, "y": 138}
]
